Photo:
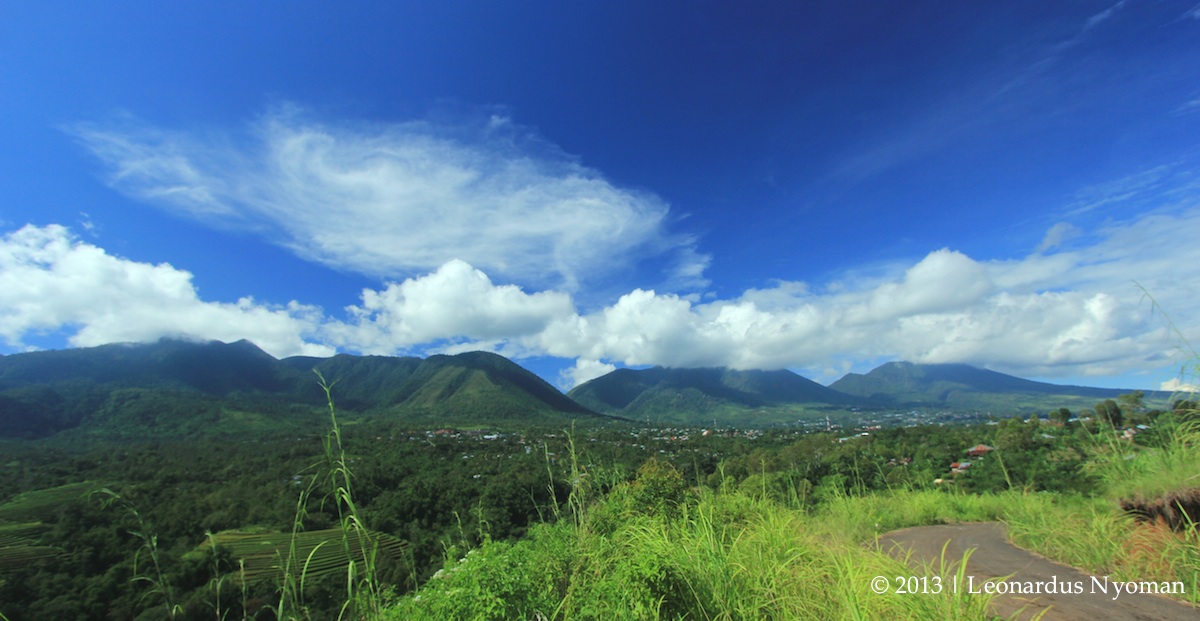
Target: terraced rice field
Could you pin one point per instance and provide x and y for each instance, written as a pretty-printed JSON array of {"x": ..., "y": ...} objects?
[
  {"x": 21, "y": 523},
  {"x": 311, "y": 554}
]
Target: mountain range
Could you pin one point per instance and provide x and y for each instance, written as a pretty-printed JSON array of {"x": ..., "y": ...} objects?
[
  {"x": 750, "y": 398},
  {"x": 964, "y": 387},
  {"x": 709, "y": 396},
  {"x": 175, "y": 388}
]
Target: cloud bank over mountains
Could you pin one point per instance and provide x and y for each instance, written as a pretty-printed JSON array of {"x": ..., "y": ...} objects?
[
  {"x": 1074, "y": 312},
  {"x": 51, "y": 281}
]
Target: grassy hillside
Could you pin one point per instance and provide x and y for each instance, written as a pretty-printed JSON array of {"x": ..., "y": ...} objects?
[
  {"x": 658, "y": 548},
  {"x": 703, "y": 556}
]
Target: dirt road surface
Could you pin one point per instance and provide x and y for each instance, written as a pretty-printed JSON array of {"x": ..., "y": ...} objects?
[{"x": 995, "y": 557}]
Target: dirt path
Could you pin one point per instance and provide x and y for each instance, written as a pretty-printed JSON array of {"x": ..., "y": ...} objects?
[{"x": 995, "y": 557}]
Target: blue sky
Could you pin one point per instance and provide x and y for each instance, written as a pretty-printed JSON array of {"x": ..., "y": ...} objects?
[{"x": 582, "y": 186}]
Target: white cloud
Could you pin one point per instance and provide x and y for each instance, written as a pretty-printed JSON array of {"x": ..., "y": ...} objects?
[
  {"x": 1067, "y": 314},
  {"x": 583, "y": 371},
  {"x": 50, "y": 281},
  {"x": 399, "y": 199},
  {"x": 941, "y": 281},
  {"x": 1178, "y": 385},
  {"x": 1070, "y": 313},
  {"x": 456, "y": 302}
]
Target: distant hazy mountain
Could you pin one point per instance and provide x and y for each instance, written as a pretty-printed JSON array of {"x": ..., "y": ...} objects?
[
  {"x": 749, "y": 398},
  {"x": 177, "y": 387},
  {"x": 960, "y": 386},
  {"x": 700, "y": 396}
]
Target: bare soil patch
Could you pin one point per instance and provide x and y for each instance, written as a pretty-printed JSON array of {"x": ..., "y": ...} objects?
[{"x": 1178, "y": 509}]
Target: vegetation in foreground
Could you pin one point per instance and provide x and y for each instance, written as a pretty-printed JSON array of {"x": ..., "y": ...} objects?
[
  {"x": 546, "y": 524},
  {"x": 654, "y": 548}
]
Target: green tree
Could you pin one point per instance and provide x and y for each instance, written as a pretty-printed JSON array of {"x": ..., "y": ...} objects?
[
  {"x": 1109, "y": 412},
  {"x": 659, "y": 487},
  {"x": 1131, "y": 403},
  {"x": 1014, "y": 435},
  {"x": 1186, "y": 410}
]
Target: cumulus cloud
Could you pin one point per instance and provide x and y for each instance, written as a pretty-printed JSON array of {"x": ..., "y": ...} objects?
[
  {"x": 456, "y": 302},
  {"x": 583, "y": 371},
  {"x": 49, "y": 280},
  {"x": 1071, "y": 313},
  {"x": 394, "y": 200},
  {"x": 1177, "y": 385},
  {"x": 941, "y": 281}
]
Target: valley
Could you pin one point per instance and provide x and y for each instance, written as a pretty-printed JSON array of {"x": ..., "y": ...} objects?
[{"x": 229, "y": 468}]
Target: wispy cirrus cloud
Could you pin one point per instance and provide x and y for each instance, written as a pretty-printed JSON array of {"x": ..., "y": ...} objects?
[
  {"x": 1102, "y": 16},
  {"x": 1189, "y": 107},
  {"x": 397, "y": 199},
  {"x": 1140, "y": 190}
]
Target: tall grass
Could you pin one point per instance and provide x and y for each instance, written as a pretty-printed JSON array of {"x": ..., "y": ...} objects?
[
  {"x": 364, "y": 594},
  {"x": 721, "y": 556},
  {"x": 292, "y": 568},
  {"x": 729, "y": 555},
  {"x": 1097, "y": 534},
  {"x": 159, "y": 586},
  {"x": 861, "y": 517},
  {"x": 1148, "y": 473}
]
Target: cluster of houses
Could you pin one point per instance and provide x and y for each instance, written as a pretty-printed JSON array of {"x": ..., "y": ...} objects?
[{"x": 974, "y": 453}]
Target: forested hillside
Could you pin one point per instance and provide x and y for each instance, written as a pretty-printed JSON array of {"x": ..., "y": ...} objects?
[
  {"x": 960, "y": 386},
  {"x": 710, "y": 396},
  {"x": 174, "y": 389}
]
